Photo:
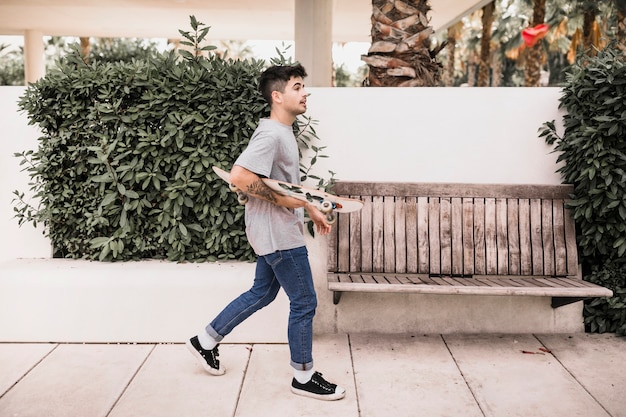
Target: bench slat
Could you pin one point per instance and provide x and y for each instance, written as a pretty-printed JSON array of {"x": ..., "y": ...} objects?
[
  {"x": 355, "y": 240},
  {"x": 456, "y": 231},
  {"x": 412, "y": 252},
  {"x": 502, "y": 243},
  {"x": 400, "y": 236},
  {"x": 513, "y": 237},
  {"x": 526, "y": 261},
  {"x": 409, "y": 189},
  {"x": 560, "y": 250},
  {"x": 547, "y": 235},
  {"x": 536, "y": 242},
  {"x": 491, "y": 244},
  {"x": 445, "y": 235},
  {"x": 423, "y": 248},
  {"x": 468, "y": 236},
  {"x": 367, "y": 252},
  {"x": 378, "y": 244},
  {"x": 524, "y": 286},
  {"x": 343, "y": 246},
  {"x": 480, "y": 254},
  {"x": 570, "y": 244},
  {"x": 434, "y": 244}
]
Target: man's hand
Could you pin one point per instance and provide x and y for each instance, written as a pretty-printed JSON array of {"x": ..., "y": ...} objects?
[{"x": 318, "y": 218}]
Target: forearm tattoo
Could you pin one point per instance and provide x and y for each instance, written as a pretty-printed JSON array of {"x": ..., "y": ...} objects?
[{"x": 259, "y": 189}]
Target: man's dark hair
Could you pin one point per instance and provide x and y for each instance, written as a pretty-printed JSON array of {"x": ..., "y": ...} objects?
[{"x": 276, "y": 78}]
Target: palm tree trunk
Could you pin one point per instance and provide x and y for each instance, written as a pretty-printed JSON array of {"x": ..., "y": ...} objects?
[
  {"x": 453, "y": 33},
  {"x": 472, "y": 66},
  {"x": 496, "y": 70},
  {"x": 485, "y": 45},
  {"x": 400, "y": 53},
  {"x": 85, "y": 48},
  {"x": 534, "y": 57},
  {"x": 589, "y": 31},
  {"x": 621, "y": 27}
]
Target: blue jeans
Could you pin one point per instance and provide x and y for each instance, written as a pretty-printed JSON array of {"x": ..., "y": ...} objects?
[{"x": 290, "y": 270}]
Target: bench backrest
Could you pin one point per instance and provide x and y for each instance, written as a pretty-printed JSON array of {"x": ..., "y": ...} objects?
[{"x": 455, "y": 229}]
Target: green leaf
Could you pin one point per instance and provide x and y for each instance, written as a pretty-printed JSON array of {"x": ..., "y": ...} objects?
[{"x": 108, "y": 199}]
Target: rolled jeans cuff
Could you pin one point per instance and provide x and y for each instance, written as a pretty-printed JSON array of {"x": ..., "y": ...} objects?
[
  {"x": 211, "y": 332},
  {"x": 302, "y": 366}
]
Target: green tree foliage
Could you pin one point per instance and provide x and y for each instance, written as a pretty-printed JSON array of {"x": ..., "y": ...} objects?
[
  {"x": 594, "y": 155},
  {"x": 102, "y": 49},
  {"x": 122, "y": 50},
  {"x": 123, "y": 170},
  {"x": 11, "y": 66}
]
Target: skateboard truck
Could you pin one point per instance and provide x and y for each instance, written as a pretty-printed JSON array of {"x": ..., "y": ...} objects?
[{"x": 242, "y": 198}]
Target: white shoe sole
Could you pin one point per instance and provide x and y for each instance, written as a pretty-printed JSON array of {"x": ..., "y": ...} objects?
[{"x": 325, "y": 397}]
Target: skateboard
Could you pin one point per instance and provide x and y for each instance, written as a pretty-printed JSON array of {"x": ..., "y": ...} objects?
[{"x": 328, "y": 204}]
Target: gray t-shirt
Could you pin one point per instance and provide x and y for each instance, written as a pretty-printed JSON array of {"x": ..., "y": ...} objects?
[{"x": 272, "y": 153}]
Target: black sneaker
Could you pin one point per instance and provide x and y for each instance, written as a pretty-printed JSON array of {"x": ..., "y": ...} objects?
[
  {"x": 208, "y": 358},
  {"x": 319, "y": 388}
]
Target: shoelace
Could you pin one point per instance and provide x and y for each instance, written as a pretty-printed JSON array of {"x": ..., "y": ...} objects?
[
  {"x": 211, "y": 354},
  {"x": 322, "y": 383}
]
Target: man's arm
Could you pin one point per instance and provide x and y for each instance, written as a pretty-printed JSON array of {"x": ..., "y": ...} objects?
[{"x": 250, "y": 183}]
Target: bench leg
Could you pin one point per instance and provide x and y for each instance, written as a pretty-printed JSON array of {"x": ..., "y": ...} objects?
[
  {"x": 336, "y": 297},
  {"x": 563, "y": 301}
]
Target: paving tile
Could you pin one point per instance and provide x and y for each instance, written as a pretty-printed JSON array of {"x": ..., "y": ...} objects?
[
  {"x": 267, "y": 388},
  {"x": 172, "y": 383},
  {"x": 75, "y": 380},
  {"x": 598, "y": 362},
  {"x": 510, "y": 376},
  {"x": 404, "y": 375},
  {"x": 17, "y": 359}
]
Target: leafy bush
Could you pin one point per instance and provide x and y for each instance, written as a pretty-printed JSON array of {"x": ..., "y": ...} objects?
[
  {"x": 594, "y": 154},
  {"x": 607, "y": 314},
  {"x": 122, "y": 49},
  {"x": 123, "y": 169},
  {"x": 11, "y": 66}
]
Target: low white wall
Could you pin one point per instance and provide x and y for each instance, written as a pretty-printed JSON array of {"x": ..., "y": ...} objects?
[
  {"x": 482, "y": 135},
  {"x": 56, "y": 300}
]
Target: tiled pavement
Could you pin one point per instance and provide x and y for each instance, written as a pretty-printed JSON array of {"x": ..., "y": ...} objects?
[{"x": 384, "y": 375}]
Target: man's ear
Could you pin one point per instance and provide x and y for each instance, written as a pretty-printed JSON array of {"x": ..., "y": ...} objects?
[{"x": 276, "y": 97}]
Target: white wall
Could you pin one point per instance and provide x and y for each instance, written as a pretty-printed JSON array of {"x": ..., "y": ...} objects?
[
  {"x": 17, "y": 136},
  {"x": 480, "y": 135}
]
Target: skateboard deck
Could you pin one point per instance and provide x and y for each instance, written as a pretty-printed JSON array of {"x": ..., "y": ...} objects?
[{"x": 325, "y": 202}]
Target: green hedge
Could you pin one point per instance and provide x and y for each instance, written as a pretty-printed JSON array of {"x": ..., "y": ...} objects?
[
  {"x": 594, "y": 154},
  {"x": 123, "y": 168}
]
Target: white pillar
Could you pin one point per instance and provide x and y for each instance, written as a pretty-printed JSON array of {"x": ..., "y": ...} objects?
[
  {"x": 34, "y": 63},
  {"x": 313, "y": 40}
]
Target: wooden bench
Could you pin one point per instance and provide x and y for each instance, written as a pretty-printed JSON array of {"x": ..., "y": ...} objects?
[{"x": 473, "y": 239}]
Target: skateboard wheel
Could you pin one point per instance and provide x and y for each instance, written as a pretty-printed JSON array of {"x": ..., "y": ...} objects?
[
  {"x": 326, "y": 206},
  {"x": 233, "y": 188},
  {"x": 331, "y": 218},
  {"x": 242, "y": 198}
]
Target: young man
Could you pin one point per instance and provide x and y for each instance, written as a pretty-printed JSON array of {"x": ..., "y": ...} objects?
[{"x": 275, "y": 229}]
